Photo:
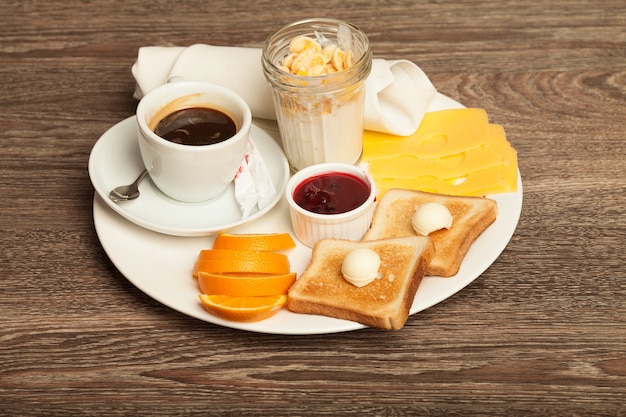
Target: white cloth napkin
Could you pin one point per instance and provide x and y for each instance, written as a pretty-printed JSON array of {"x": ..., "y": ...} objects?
[{"x": 397, "y": 93}]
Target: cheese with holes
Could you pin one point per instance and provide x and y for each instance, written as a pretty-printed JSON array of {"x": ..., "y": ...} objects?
[
  {"x": 442, "y": 133},
  {"x": 454, "y": 151}
]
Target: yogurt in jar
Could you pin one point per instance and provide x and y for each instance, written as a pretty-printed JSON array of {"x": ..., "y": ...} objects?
[
  {"x": 317, "y": 69},
  {"x": 327, "y": 131}
]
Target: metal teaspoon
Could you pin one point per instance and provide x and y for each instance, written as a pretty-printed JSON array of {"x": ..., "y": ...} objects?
[{"x": 127, "y": 192}]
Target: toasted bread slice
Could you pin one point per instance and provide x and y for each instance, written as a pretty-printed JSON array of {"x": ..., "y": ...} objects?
[
  {"x": 383, "y": 303},
  {"x": 470, "y": 217}
]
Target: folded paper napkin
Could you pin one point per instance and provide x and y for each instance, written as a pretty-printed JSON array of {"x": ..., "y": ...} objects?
[{"x": 397, "y": 92}]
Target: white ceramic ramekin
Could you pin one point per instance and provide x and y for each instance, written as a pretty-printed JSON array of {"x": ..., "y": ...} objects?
[{"x": 311, "y": 227}]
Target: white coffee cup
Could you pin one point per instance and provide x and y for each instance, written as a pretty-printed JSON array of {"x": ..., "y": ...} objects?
[{"x": 189, "y": 173}]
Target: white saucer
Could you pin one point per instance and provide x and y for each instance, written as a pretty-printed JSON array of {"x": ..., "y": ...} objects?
[
  {"x": 115, "y": 160},
  {"x": 161, "y": 265}
]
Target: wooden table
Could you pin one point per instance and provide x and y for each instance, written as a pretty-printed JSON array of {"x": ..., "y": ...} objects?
[{"x": 541, "y": 332}]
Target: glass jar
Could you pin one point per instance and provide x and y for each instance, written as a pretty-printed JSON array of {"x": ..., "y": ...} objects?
[{"x": 320, "y": 117}]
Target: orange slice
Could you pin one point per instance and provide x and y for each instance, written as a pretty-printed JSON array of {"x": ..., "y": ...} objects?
[
  {"x": 260, "y": 242},
  {"x": 243, "y": 309},
  {"x": 226, "y": 261},
  {"x": 245, "y": 285}
]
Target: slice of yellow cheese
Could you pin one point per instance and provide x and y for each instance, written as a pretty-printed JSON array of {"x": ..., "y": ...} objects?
[
  {"x": 494, "y": 151},
  {"x": 475, "y": 157},
  {"x": 441, "y": 133},
  {"x": 492, "y": 180}
]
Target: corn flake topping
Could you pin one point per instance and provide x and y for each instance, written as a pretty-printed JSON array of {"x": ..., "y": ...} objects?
[{"x": 307, "y": 57}]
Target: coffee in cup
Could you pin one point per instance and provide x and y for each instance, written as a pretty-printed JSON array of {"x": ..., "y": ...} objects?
[
  {"x": 195, "y": 126},
  {"x": 192, "y": 137}
]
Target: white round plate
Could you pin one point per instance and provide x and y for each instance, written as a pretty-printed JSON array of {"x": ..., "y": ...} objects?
[
  {"x": 115, "y": 160},
  {"x": 160, "y": 265}
]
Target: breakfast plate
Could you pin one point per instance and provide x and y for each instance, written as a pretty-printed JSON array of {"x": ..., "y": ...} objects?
[
  {"x": 115, "y": 160},
  {"x": 160, "y": 264}
]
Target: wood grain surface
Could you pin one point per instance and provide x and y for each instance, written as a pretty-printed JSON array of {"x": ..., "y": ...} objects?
[{"x": 542, "y": 332}]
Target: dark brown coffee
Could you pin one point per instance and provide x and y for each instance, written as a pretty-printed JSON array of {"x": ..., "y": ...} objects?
[{"x": 196, "y": 126}]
